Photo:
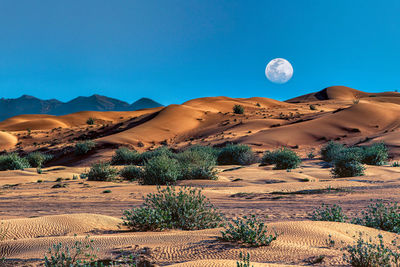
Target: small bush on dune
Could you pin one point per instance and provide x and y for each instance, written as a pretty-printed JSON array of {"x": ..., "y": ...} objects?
[
  {"x": 347, "y": 164},
  {"x": 79, "y": 254},
  {"x": 236, "y": 155},
  {"x": 82, "y": 148},
  {"x": 131, "y": 173},
  {"x": 186, "y": 209},
  {"x": 283, "y": 159},
  {"x": 331, "y": 150},
  {"x": 37, "y": 159},
  {"x": 332, "y": 213},
  {"x": 90, "y": 121},
  {"x": 381, "y": 215},
  {"x": 196, "y": 164},
  {"x": 125, "y": 156},
  {"x": 372, "y": 253},
  {"x": 13, "y": 161},
  {"x": 376, "y": 154},
  {"x": 238, "y": 109},
  {"x": 102, "y": 172},
  {"x": 249, "y": 231},
  {"x": 211, "y": 151},
  {"x": 160, "y": 170}
]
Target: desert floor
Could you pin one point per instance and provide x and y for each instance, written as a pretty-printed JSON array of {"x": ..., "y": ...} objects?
[{"x": 37, "y": 215}]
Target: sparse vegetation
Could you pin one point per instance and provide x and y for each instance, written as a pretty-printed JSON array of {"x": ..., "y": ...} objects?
[
  {"x": 381, "y": 215},
  {"x": 238, "y": 109},
  {"x": 396, "y": 164},
  {"x": 332, "y": 213},
  {"x": 37, "y": 159},
  {"x": 78, "y": 255},
  {"x": 376, "y": 154},
  {"x": 236, "y": 155},
  {"x": 313, "y": 107},
  {"x": 186, "y": 209},
  {"x": 330, "y": 150},
  {"x": 197, "y": 164},
  {"x": 82, "y": 148},
  {"x": 125, "y": 156},
  {"x": 250, "y": 231},
  {"x": 146, "y": 156},
  {"x": 161, "y": 170},
  {"x": 102, "y": 171},
  {"x": 131, "y": 172},
  {"x": 284, "y": 159},
  {"x": 13, "y": 161},
  {"x": 90, "y": 121},
  {"x": 372, "y": 253},
  {"x": 244, "y": 260},
  {"x": 347, "y": 164},
  {"x": 107, "y": 191}
]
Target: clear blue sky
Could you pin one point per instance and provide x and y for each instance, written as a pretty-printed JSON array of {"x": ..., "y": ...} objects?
[{"x": 173, "y": 51}]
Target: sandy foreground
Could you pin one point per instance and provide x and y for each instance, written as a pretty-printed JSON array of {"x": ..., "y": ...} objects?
[{"x": 37, "y": 215}]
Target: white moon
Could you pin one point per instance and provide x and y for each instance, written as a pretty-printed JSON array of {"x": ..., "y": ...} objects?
[{"x": 279, "y": 70}]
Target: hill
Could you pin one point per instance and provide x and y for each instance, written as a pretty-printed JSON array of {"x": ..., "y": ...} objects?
[{"x": 32, "y": 105}]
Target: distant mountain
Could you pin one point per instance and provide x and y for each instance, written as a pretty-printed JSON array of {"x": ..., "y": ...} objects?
[{"x": 31, "y": 105}]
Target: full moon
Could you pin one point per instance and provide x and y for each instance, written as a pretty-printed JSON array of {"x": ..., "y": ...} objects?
[{"x": 279, "y": 70}]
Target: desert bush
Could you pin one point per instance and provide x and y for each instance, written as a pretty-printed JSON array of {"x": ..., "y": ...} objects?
[
  {"x": 37, "y": 159},
  {"x": 13, "y": 161},
  {"x": 160, "y": 170},
  {"x": 396, "y": 164},
  {"x": 196, "y": 164},
  {"x": 82, "y": 148},
  {"x": 186, "y": 209},
  {"x": 211, "y": 151},
  {"x": 333, "y": 213},
  {"x": 347, "y": 164},
  {"x": 238, "y": 109},
  {"x": 78, "y": 255},
  {"x": 376, "y": 154},
  {"x": 381, "y": 215},
  {"x": 371, "y": 253},
  {"x": 244, "y": 260},
  {"x": 283, "y": 159},
  {"x": 313, "y": 107},
  {"x": 131, "y": 173},
  {"x": 330, "y": 150},
  {"x": 101, "y": 171},
  {"x": 125, "y": 156},
  {"x": 250, "y": 231},
  {"x": 146, "y": 156},
  {"x": 90, "y": 121},
  {"x": 236, "y": 155}
]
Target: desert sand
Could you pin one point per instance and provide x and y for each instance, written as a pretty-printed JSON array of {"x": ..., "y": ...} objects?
[{"x": 37, "y": 215}]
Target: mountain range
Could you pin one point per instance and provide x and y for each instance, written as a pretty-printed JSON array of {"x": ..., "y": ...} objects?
[{"x": 32, "y": 105}]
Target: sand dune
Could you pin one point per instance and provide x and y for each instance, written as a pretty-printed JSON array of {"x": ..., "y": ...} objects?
[{"x": 7, "y": 140}]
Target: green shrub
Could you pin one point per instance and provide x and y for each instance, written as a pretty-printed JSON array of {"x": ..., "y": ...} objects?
[
  {"x": 101, "y": 171},
  {"x": 37, "y": 159},
  {"x": 186, "y": 209},
  {"x": 371, "y": 253},
  {"x": 90, "y": 121},
  {"x": 211, "y": 151},
  {"x": 82, "y": 148},
  {"x": 107, "y": 191},
  {"x": 330, "y": 150},
  {"x": 381, "y": 215},
  {"x": 347, "y": 164},
  {"x": 78, "y": 255},
  {"x": 236, "y": 155},
  {"x": 131, "y": 173},
  {"x": 376, "y": 154},
  {"x": 238, "y": 109},
  {"x": 13, "y": 161},
  {"x": 313, "y": 107},
  {"x": 160, "y": 170},
  {"x": 249, "y": 231},
  {"x": 125, "y": 156},
  {"x": 332, "y": 213},
  {"x": 244, "y": 260},
  {"x": 196, "y": 164},
  {"x": 396, "y": 164},
  {"x": 146, "y": 156},
  {"x": 283, "y": 159}
]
